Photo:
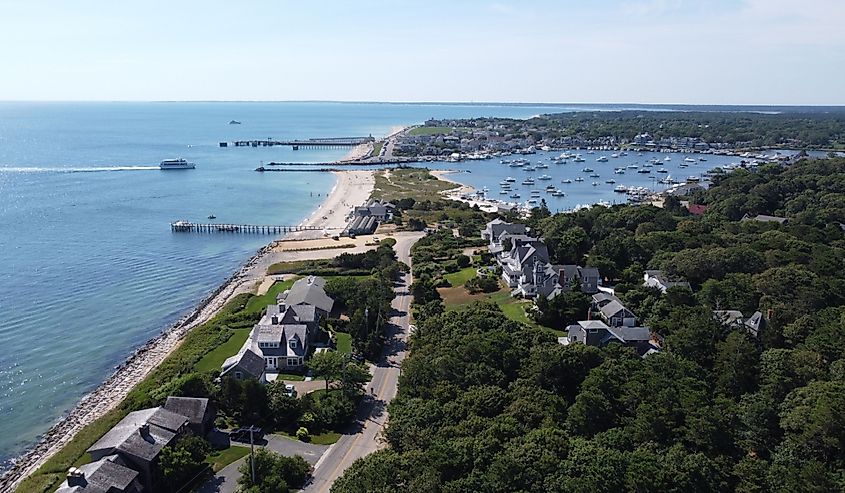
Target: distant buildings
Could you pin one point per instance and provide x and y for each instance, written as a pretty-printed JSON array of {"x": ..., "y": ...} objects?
[
  {"x": 366, "y": 218},
  {"x": 616, "y": 324},
  {"x": 755, "y": 324},
  {"x": 281, "y": 339},
  {"x": 764, "y": 219},
  {"x": 657, "y": 279}
]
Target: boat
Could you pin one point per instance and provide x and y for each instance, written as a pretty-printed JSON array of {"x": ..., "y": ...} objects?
[
  {"x": 212, "y": 216},
  {"x": 619, "y": 171},
  {"x": 551, "y": 188},
  {"x": 693, "y": 179},
  {"x": 662, "y": 170},
  {"x": 579, "y": 179},
  {"x": 528, "y": 168},
  {"x": 510, "y": 179},
  {"x": 703, "y": 159},
  {"x": 601, "y": 159},
  {"x": 623, "y": 153},
  {"x": 590, "y": 151},
  {"x": 654, "y": 161},
  {"x": 532, "y": 201},
  {"x": 620, "y": 189},
  {"x": 176, "y": 164},
  {"x": 514, "y": 195},
  {"x": 544, "y": 177},
  {"x": 542, "y": 166},
  {"x": 610, "y": 181},
  {"x": 566, "y": 180},
  {"x": 689, "y": 160},
  {"x": 528, "y": 181},
  {"x": 614, "y": 155},
  {"x": 558, "y": 193},
  {"x": 633, "y": 166},
  {"x": 644, "y": 170},
  {"x": 579, "y": 159},
  {"x": 595, "y": 183},
  {"x": 516, "y": 164},
  {"x": 587, "y": 170},
  {"x": 234, "y": 122},
  {"x": 667, "y": 159},
  {"x": 594, "y": 175},
  {"x": 503, "y": 192}
]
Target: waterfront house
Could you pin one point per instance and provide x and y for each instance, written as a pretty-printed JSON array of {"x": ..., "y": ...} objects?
[
  {"x": 307, "y": 291},
  {"x": 246, "y": 364},
  {"x": 139, "y": 438},
  {"x": 658, "y": 279},
  {"x": 200, "y": 412},
  {"x": 110, "y": 474},
  {"x": 597, "y": 333}
]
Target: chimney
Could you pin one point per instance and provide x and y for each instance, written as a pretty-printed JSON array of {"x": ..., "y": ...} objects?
[
  {"x": 275, "y": 319},
  {"x": 144, "y": 430},
  {"x": 75, "y": 477}
]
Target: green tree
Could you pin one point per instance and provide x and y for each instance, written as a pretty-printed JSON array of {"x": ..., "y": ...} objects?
[
  {"x": 273, "y": 473},
  {"x": 327, "y": 364}
]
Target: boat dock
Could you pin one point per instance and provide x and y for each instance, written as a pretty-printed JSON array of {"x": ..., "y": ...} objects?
[
  {"x": 326, "y": 142},
  {"x": 189, "y": 227}
]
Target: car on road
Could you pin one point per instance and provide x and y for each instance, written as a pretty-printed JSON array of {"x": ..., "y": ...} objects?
[
  {"x": 242, "y": 434},
  {"x": 290, "y": 390}
]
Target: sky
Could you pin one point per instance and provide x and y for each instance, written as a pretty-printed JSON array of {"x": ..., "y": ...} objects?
[{"x": 597, "y": 51}]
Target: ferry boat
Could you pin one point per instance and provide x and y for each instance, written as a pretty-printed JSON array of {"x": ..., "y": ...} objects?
[
  {"x": 176, "y": 164},
  {"x": 601, "y": 159}
]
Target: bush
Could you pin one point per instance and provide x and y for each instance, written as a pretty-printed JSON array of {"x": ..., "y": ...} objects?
[
  {"x": 302, "y": 434},
  {"x": 273, "y": 473},
  {"x": 482, "y": 284}
]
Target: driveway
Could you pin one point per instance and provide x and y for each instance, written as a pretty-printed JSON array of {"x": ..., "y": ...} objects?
[{"x": 226, "y": 480}]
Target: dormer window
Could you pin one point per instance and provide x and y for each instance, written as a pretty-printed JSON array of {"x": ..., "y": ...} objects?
[{"x": 293, "y": 343}]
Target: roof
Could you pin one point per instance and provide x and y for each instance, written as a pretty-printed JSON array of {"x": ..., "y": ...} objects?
[
  {"x": 126, "y": 436},
  {"x": 305, "y": 313},
  {"x": 612, "y": 308},
  {"x": 247, "y": 360},
  {"x": 592, "y": 324},
  {"x": 268, "y": 333},
  {"x": 631, "y": 334},
  {"x": 728, "y": 317},
  {"x": 588, "y": 271},
  {"x": 103, "y": 476},
  {"x": 697, "y": 209},
  {"x": 309, "y": 290},
  {"x": 193, "y": 408},
  {"x": 766, "y": 219},
  {"x": 600, "y": 298}
]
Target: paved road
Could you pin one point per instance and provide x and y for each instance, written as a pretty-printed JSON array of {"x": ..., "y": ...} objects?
[
  {"x": 226, "y": 480},
  {"x": 364, "y": 438}
]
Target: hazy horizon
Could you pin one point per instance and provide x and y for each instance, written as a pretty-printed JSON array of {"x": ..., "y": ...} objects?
[{"x": 669, "y": 52}]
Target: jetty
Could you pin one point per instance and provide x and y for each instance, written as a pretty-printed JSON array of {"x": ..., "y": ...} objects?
[
  {"x": 296, "y": 144},
  {"x": 189, "y": 227}
]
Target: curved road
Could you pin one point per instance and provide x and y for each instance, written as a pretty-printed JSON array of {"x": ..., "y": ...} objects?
[{"x": 364, "y": 438}]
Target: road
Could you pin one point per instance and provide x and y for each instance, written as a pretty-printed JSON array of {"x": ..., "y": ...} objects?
[{"x": 364, "y": 438}]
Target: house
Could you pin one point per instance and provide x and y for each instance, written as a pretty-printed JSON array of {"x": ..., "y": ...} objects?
[
  {"x": 497, "y": 230},
  {"x": 597, "y": 333},
  {"x": 587, "y": 278},
  {"x": 526, "y": 257},
  {"x": 615, "y": 314},
  {"x": 246, "y": 364},
  {"x": 657, "y": 279},
  {"x": 107, "y": 475},
  {"x": 199, "y": 411},
  {"x": 308, "y": 291},
  {"x": 697, "y": 209},
  {"x": 139, "y": 438},
  {"x": 764, "y": 219},
  {"x": 381, "y": 211},
  {"x": 754, "y": 324}
]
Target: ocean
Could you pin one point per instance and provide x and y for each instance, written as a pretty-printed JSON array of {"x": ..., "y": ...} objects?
[{"x": 90, "y": 269}]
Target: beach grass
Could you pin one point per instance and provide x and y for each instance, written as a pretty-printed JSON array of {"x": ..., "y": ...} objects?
[
  {"x": 222, "y": 458},
  {"x": 214, "y": 359},
  {"x": 404, "y": 183},
  {"x": 344, "y": 342},
  {"x": 429, "y": 130},
  {"x": 457, "y": 279},
  {"x": 377, "y": 149}
]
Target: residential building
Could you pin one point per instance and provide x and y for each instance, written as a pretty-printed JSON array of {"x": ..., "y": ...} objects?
[
  {"x": 587, "y": 278},
  {"x": 657, "y": 279},
  {"x": 497, "y": 230},
  {"x": 528, "y": 256},
  {"x": 754, "y": 324},
  {"x": 597, "y": 333},
  {"x": 138, "y": 439},
  {"x": 612, "y": 311},
  {"x": 200, "y": 412},
  {"x": 765, "y": 219},
  {"x": 110, "y": 474},
  {"x": 246, "y": 364}
]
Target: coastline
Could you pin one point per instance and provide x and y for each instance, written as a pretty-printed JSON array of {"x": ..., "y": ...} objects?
[{"x": 350, "y": 189}]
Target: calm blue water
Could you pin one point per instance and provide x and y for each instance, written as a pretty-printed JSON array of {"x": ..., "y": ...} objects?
[{"x": 89, "y": 268}]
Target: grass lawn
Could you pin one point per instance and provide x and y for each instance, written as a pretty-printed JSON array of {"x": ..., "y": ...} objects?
[
  {"x": 293, "y": 377},
  {"x": 457, "y": 279},
  {"x": 223, "y": 458},
  {"x": 214, "y": 359},
  {"x": 325, "y": 438},
  {"x": 429, "y": 130},
  {"x": 259, "y": 303},
  {"x": 414, "y": 183},
  {"x": 458, "y": 298},
  {"x": 377, "y": 148},
  {"x": 344, "y": 342}
]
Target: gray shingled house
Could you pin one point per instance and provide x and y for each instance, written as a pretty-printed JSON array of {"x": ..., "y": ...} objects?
[
  {"x": 107, "y": 475},
  {"x": 597, "y": 333},
  {"x": 200, "y": 412},
  {"x": 139, "y": 438}
]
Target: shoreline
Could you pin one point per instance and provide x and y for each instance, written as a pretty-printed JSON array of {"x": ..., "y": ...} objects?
[{"x": 349, "y": 187}]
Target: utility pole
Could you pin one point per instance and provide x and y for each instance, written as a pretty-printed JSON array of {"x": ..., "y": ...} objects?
[{"x": 252, "y": 455}]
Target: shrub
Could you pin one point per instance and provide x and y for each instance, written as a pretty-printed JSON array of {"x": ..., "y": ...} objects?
[{"x": 302, "y": 434}]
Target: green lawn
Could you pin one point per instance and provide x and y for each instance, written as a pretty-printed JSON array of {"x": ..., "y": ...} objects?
[
  {"x": 377, "y": 148},
  {"x": 429, "y": 130},
  {"x": 223, "y": 458},
  {"x": 259, "y": 303},
  {"x": 214, "y": 359},
  {"x": 325, "y": 438},
  {"x": 462, "y": 276},
  {"x": 457, "y": 299},
  {"x": 344, "y": 342}
]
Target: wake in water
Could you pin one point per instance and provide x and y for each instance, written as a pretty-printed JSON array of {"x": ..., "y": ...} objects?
[{"x": 90, "y": 169}]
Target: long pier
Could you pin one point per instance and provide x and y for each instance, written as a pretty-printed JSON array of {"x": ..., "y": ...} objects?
[
  {"x": 304, "y": 143},
  {"x": 189, "y": 227}
]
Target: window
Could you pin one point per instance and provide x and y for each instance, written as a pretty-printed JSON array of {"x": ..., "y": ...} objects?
[
  {"x": 292, "y": 361},
  {"x": 293, "y": 343},
  {"x": 239, "y": 375}
]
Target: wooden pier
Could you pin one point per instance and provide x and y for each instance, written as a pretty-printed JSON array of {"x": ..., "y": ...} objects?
[
  {"x": 189, "y": 227},
  {"x": 296, "y": 144}
]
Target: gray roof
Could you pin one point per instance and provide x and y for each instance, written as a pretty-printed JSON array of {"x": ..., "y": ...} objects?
[
  {"x": 104, "y": 476},
  {"x": 126, "y": 436},
  {"x": 728, "y": 317},
  {"x": 766, "y": 219},
  {"x": 193, "y": 408},
  {"x": 309, "y": 290},
  {"x": 600, "y": 298},
  {"x": 268, "y": 333},
  {"x": 588, "y": 271},
  {"x": 305, "y": 313},
  {"x": 287, "y": 332},
  {"x": 631, "y": 334},
  {"x": 247, "y": 360},
  {"x": 612, "y": 308}
]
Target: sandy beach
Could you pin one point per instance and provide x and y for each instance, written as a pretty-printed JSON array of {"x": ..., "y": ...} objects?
[{"x": 352, "y": 189}]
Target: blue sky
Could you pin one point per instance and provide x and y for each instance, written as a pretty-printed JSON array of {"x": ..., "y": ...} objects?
[{"x": 647, "y": 51}]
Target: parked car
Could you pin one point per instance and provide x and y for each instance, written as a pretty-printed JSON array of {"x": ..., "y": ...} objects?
[
  {"x": 242, "y": 434},
  {"x": 290, "y": 390}
]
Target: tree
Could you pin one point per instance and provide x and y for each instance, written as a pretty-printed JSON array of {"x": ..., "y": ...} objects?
[
  {"x": 736, "y": 364},
  {"x": 284, "y": 409},
  {"x": 181, "y": 462},
  {"x": 327, "y": 364},
  {"x": 273, "y": 473}
]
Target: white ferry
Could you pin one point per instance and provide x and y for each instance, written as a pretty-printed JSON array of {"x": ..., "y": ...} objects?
[{"x": 176, "y": 164}]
